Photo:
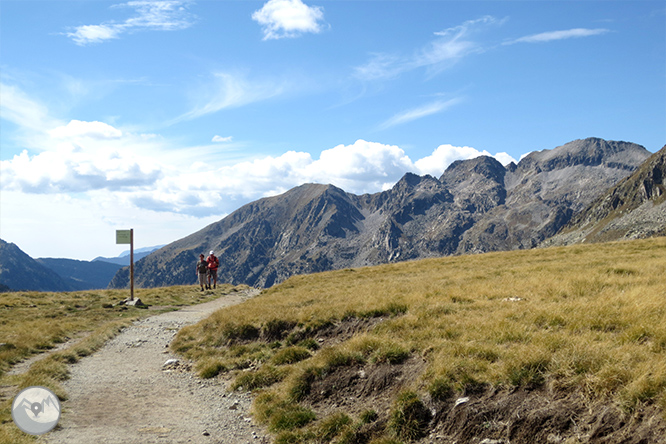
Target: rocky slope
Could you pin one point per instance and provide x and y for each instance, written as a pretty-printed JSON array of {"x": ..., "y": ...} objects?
[
  {"x": 634, "y": 208},
  {"x": 477, "y": 205}
]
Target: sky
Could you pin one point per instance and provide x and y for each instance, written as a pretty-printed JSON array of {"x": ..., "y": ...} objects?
[{"x": 166, "y": 116}]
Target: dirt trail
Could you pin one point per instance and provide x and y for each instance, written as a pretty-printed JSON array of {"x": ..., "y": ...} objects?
[{"x": 123, "y": 394}]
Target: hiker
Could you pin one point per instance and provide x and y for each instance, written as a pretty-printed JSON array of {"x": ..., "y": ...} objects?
[
  {"x": 213, "y": 263},
  {"x": 202, "y": 271}
]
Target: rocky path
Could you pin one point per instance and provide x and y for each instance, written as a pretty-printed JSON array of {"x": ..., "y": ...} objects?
[{"x": 125, "y": 394}]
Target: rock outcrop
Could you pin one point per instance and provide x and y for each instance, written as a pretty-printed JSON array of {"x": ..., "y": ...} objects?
[{"x": 634, "y": 208}]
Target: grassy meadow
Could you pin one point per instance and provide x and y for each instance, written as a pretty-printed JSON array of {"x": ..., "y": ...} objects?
[
  {"x": 585, "y": 318},
  {"x": 32, "y": 323}
]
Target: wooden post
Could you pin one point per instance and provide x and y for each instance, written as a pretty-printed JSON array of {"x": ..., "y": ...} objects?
[
  {"x": 127, "y": 237},
  {"x": 131, "y": 264}
]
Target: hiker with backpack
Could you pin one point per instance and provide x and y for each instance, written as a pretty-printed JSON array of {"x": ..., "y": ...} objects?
[
  {"x": 213, "y": 263},
  {"x": 202, "y": 271}
]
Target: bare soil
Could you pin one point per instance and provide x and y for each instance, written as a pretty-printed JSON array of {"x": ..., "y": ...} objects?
[
  {"x": 125, "y": 394},
  {"x": 517, "y": 416}
]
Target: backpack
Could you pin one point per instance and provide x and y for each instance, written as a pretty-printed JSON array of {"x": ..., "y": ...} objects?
[{"x": 213, "y": 263}]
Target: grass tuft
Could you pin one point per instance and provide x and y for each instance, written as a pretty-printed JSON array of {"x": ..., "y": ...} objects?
[{"x": 410, "y": 417}]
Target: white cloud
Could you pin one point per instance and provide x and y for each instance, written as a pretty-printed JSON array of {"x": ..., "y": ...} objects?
[
  {"x": 505, "y": 158},
  {"x": 363, "y": 167},
  {"x": 88, "y": 230},
  {"x": 82, "y": 156},
  {"x": 558, "y": 35},
  {"x": 82, "y": 35},
  {"x": 288, "y": 18},
  {"x": 103, "y": 177},
  {"x": 71, "y": 169},
  {"x": 220, "y": 139},
  {"x": 22, "y": 110},
  {"x": 150, "y": 15},
  {"x": 449, "y": 46},
  {"x": 420, "y": 112},
  {"x": 144, "y": 173},
  {"x": 445, "y": 155},
  {"x": 228, "y": 90},
  {"x": 78, "y": 128}
]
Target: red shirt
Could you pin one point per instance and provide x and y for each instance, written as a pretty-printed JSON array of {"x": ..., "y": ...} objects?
[{"x": 213, "y": 263}]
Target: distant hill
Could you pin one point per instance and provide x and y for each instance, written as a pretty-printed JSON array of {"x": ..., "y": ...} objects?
[
  {"x": 124, "y": 258},
  {"x": 634, "y": 208},
  {"x": 19, "y": 271},
  {"x": 82, "y": 275},
  {"x": 477, "y": 205}
]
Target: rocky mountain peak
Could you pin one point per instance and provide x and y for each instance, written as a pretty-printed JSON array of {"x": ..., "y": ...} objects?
[
  {"x": 633, "y": 208},
  {"x": 477, "y": 205},
  {"x": 483, "y": 166},
  {"x": 588, "y": 152}
]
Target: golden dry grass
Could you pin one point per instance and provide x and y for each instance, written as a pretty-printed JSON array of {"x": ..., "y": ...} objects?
[{"x": 587, "y": 317}]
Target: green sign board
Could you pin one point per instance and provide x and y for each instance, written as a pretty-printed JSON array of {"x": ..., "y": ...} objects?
[{"x": 123, "y": 237}]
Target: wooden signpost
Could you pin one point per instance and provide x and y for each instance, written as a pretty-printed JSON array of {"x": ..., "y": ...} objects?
[{"x": 127, "y": 237}]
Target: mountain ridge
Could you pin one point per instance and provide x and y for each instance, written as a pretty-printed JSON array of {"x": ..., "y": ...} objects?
[
  {"x": 477, "y": 205},
  {"x": 633, "y": 208},
  {"x": 20, "y": 272}
]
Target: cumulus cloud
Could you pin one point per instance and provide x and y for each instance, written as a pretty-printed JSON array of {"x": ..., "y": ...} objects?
[
  {"x": 558, "y": 35},
  {"x": 86, "y": 158},
  {"x": 363, "y": 167},
  {"x": 150, "y": 15},
  {"x": 288, "y": 18},
  {"x": 445, "y": 155},
  {"x": 78, "y": 128},
  {"x": 75, "y": 171},
  {"x": 153, "y": 178},
  {"x": 79, "y": 157}
]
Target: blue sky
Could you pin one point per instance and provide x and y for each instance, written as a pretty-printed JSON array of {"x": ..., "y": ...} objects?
[{"x": 165, "y": 116}]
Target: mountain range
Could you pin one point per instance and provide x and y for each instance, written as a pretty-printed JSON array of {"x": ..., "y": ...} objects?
[
  {"x": 19, "y": 271},
  {"x": 587, "y": 190},
  {"x": 124, "y": 257},
  {"x": 475, "y": 206}
]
